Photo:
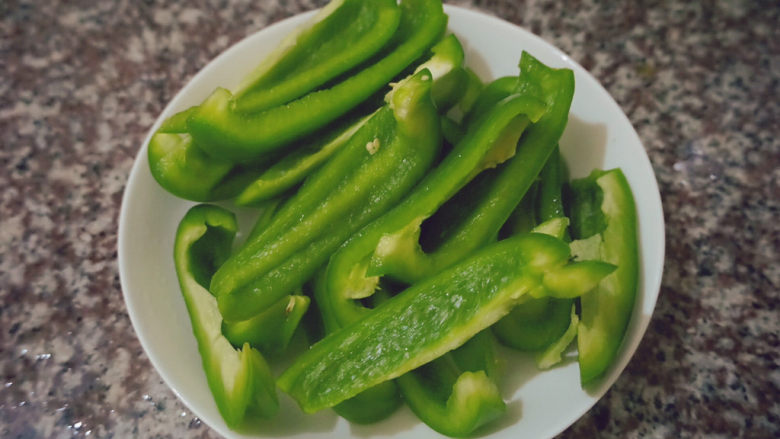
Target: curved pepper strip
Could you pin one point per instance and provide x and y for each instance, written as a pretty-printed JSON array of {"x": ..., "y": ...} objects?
[
  {"x": 604, "y": 222},
  {"x": 228, "y": 134},
  {"x": 400, "y": 256},
  {"x": 447, "y": 57},
  {"x": 381, "y": 162},
  {"x": 425, "y": 321},
  {"x": 347, "y": 276},
  {"x": 339, "y": 37},
  {"x": 184, "y": 170},
  {"x": 537, "y": 323},
  {"x": 240, "y": 380},
  {"x": 456, "y": 393},
  {"x": 473, "y": 89}
]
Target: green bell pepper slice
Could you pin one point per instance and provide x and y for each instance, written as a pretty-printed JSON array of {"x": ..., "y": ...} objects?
[
  {"x": 424, "y": 321},
  {"x": 604, "y": 224},
  {"x": 184, "y": 170},
  {"x": 553, "y": 353},
  {"x": 373, "y": 404},
  {"x": 381, "y": 162},
  {"x": 493, "y": 141},
  {"x": 339, "y": 37},
  {"x": 446, "y": 58},
  {"x": 231, "y": 135},
  {"x": 536, "y": 324},
  {"x": 240, "y": 380},
  {"x": 400, "y": 256},
  {"x": 489, "y": 96}
]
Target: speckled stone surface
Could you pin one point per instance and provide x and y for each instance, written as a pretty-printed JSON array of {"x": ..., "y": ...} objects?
[{"x": 81, "y": 82}]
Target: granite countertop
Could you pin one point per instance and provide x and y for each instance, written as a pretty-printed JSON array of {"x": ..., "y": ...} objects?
[{"x": 81, "y": 82}]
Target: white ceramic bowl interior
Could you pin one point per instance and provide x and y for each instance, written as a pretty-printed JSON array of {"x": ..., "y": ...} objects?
[{"x": 541, "y": 404}]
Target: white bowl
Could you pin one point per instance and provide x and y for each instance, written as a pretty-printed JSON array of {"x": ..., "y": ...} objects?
[{"x": 541, "y": 404}]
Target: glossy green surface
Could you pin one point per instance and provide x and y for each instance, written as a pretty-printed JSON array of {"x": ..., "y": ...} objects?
[
  {"x": 347, "y": 277},
  {"x": 381, "y": 162},
  {"x": 223, "y": 132},
  {"x": 423, "y": 322},
  {"x": 342, "y": 35}
]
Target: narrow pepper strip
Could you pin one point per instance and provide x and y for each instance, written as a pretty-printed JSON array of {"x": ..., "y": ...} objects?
[
  {"x": 604, "y": 222},
  {"x": 240, "y": 380},
  {"x": 423, "y": 322},
  {"x": 381, "y": 162},
  {"x": 225, "y": 133},
  {"x": 340, "y": 36},
  {"x": 537, "y": 323}
]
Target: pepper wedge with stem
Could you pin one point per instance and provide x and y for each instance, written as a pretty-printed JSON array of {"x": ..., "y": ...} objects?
[
  {"x": 381, "y": 162},
  {"x": 424, "y": 321},
  {"x": 491, "y": 141},
  {"x": 446, "y": 59},
  {"x": 604, "y": 224},
  {"x": 339, "y": 37},
  {"x": 228, "y": 134},
  {"x": 240, "y": 380},
  {"x": 311, "y": 56}
]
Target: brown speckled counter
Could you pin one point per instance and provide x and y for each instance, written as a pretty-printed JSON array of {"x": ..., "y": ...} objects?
[{"x": 81, "y": 82}]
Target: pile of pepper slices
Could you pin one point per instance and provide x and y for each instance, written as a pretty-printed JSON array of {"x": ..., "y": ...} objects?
[{"x": 403, "y": 230}]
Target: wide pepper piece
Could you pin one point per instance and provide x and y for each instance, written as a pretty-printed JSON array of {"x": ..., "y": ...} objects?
[
  {"x": 381, "y": 162},
  {"x": 240, "y": 380},
  {"x": 424, "y": 321}
]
